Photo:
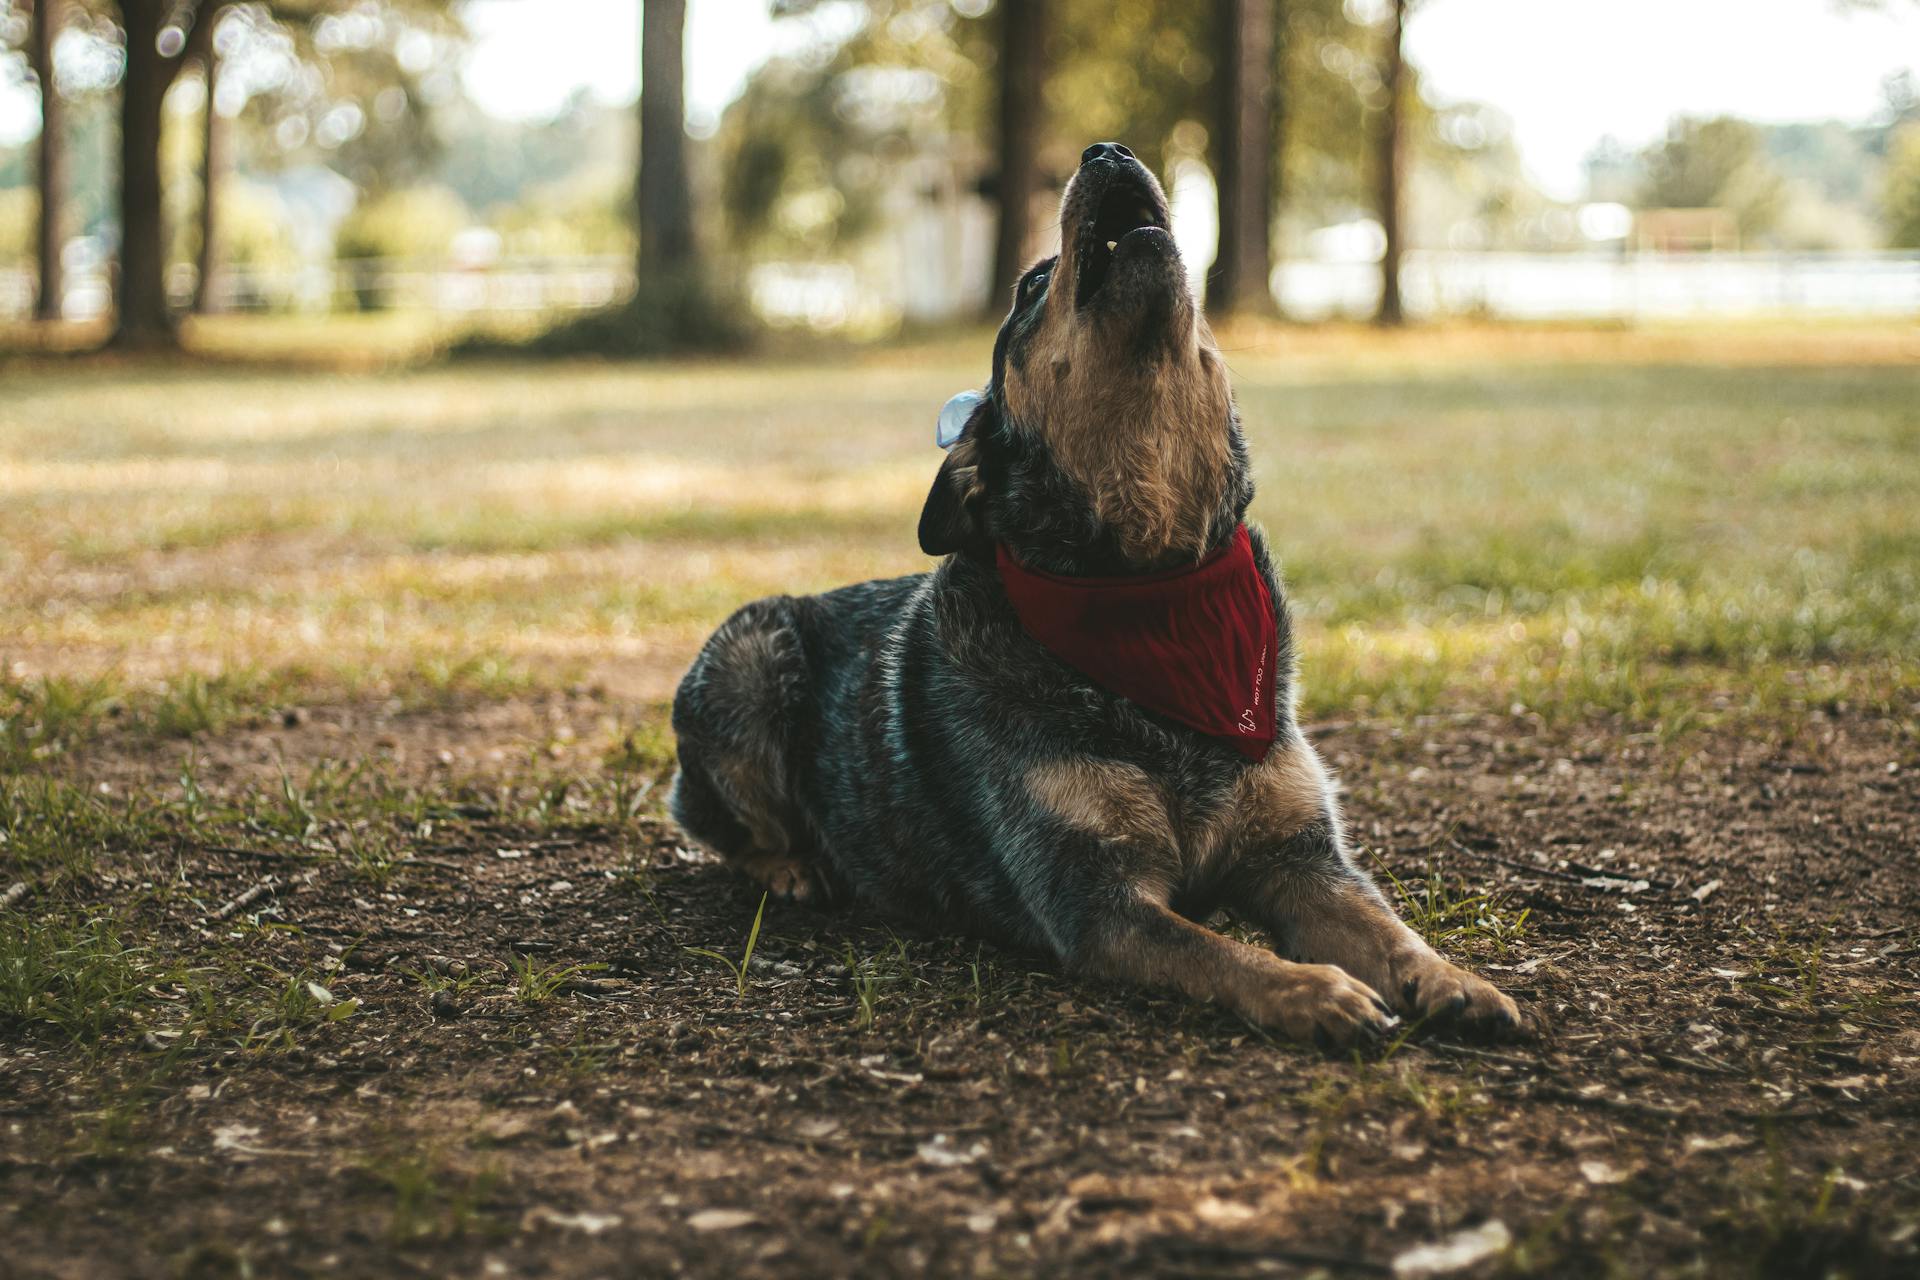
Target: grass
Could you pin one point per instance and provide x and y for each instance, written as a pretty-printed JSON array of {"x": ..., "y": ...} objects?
[
  {"x": 1449, "y": 913},
  {"x": 1678, "y": 528},
  {"x": 40, "y": 719},
  {"x": 432, "y": 1197},
  {"x": 76, "y": 976},
  {"x": 537, "y": 983},
  {"x": 740, "y": 969}
]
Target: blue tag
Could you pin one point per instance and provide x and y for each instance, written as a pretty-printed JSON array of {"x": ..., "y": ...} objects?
[{"x": 953, "y": 417}]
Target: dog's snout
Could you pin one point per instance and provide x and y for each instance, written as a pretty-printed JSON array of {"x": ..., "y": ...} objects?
[{"x": 1105, "y": 151}]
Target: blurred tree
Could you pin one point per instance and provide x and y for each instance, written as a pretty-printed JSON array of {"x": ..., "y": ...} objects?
[
  {"x": 821, "y": 139},
  {"x": 1391, "y": 163},
  {"x": 663, "y": 186},
  {"x": 1716, "y": 163},
  {"x": 1330, "y": 81},
  {"x": 676, "y": 305},
  {"x": 142, "y": 320},
  {"x": 19, "y": 224},
  {"x": 410, "y": 223},
  {"x": 1142, "y": 72},
  {"x": 51, "y": 178},
  {"x": 1900, "y": 191},
  {"x": 210, "y": 252},
  {"x": 1019, "y": 126},
  {"x": 495, "y": 164},
  {"x": 1249, "y": 144},
  {"x": 902, "y": 101},
  {"x": 325, "y": 61}
]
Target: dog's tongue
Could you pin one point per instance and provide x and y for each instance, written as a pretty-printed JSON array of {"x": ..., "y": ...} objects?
[{"x": 953, "y": 417}]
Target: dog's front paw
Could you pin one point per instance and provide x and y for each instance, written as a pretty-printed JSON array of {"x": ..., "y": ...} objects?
[
  {"x": 1444, "y": 994},
  {"x": 785, "y": 879},
  {"x": 1323, "y": 1005}
]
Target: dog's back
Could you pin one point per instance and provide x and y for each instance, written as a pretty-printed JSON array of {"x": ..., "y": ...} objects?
[
  {"x": 913, "y": 744},
  {"x": 870, "y": 743}
]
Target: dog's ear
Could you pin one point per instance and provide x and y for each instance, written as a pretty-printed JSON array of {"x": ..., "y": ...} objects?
[{"x": 952, "y": 519}]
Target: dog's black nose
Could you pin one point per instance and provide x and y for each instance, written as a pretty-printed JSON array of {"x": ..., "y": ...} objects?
[{"x": 1105, "y": 151}]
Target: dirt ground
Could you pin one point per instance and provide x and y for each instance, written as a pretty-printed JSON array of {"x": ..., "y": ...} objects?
[{"x": 1720, "y": 935}]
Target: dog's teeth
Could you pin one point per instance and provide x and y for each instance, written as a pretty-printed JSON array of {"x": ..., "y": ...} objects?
[{"x": 1111, "y": 244}]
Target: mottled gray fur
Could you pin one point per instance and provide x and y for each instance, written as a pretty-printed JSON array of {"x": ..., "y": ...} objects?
[{"x": 906, "y": 746}]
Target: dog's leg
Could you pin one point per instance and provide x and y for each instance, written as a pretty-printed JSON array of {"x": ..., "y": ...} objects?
[
  {"x": 731, "y": 717},
  {"x": 1107, "y": 844},
  {"x": 1292, "y": 875},
  {"x": 1146, "y": 943}
]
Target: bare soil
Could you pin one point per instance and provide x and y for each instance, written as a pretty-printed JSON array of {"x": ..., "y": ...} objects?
[{"x": 1722, "y": 943}]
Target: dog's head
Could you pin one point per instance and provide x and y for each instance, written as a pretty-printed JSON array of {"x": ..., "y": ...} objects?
[{"x": 1107, "y": 441}]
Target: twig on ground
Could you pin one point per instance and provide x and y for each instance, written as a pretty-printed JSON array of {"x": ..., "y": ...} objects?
[
  {"x": 1469, "y": 1051},
  {"x": 1627, "y": 1106},
  {"x": 440, "y": 863},
  {"x": 1578, "y": 877},
  {"x": 247, "y": 899}
]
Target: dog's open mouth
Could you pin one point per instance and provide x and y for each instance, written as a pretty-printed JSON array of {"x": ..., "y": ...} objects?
[{"x": 1128, "y": 208}]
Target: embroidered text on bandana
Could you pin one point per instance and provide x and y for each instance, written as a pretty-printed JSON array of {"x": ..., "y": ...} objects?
[{"x": 1197, "y": 645}]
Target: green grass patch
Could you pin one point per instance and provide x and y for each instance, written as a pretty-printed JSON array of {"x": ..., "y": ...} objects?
[
  {"x": 75, "y": 975},
  {"x": 1675, "y": 528}
]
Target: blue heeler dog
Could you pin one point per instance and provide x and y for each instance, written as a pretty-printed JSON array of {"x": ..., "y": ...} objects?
[{"x": 952, "y": 746}]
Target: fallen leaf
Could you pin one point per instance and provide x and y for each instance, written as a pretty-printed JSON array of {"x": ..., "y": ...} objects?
[
  {"x": 1222, "y": 1213},
  {"x": 1602, "y": 1174},
  {"x": 234, "y": 1137},
  {"x": 587, "y": 1223},
  {"x": 1457, "y": 1252},
  {"x": 941, "y": 1153},
  {"x": 1704, "y": 891},
  {"x": 816, "y": 1127},
  {"x": 1725, "y": 1142},
  {"x": 1614, "y": 884}
]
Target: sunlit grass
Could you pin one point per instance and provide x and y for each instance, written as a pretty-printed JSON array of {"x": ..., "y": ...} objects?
[{"x": 1672, "y": 526}]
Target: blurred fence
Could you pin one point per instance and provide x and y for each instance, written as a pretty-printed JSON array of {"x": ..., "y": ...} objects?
[
  {"x": 1615, "y": 286},
  {"x": 1539, "y": 286}
]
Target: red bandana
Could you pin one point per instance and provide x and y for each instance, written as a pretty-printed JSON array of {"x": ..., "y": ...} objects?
[{"x": 1197, "y": 645}]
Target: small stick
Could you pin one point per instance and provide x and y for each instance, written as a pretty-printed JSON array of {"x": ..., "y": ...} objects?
[
  {"x": 441, "y": 863},
  {"x": 1504, "y": 1059},
  {"x": 1652, "y": 1110},
  {"x": 247, "y": 898},
  {"x": 1652, "y": 881},
  {"x": 1555, "y": 873}
]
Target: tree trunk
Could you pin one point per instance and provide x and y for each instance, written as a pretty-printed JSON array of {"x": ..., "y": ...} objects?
[
  {"x": 1392, "y": 162},
  {"x": 52, "y": 164},
  {"x": 662, "y": 187},
  {"x": 207, "y": 298},
  {"x": 1022, "y": 78},
  {"x": 1243, "y": 266},
  {"x": 143, "y": 322}
]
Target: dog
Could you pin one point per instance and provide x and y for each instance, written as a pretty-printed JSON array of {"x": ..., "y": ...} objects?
[{"x": 951, "y": 747}]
